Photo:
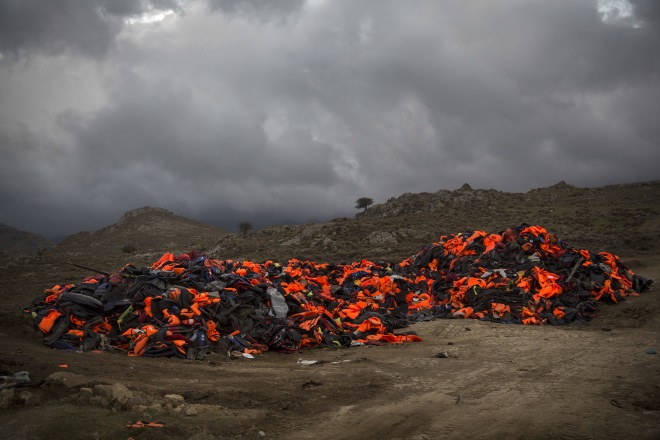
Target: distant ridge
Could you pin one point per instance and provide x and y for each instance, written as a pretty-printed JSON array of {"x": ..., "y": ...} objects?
[
  {"x": 143, "y": 230},
  {"x": 624, "y": 219},
  {"x": 14, "y": 242}
]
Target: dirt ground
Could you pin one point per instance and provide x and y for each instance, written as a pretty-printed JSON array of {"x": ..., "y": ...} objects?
[{"x": 593, "y": 381}]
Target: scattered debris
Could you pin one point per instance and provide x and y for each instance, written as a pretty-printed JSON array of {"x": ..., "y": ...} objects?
[
  {"x": 141, "y": 424},
  {"x": 21, "y": 377},
  {"x": 345, "y": 361},
  {"x": 310, "y": 384},
  {"x": 190, "y": 305}
]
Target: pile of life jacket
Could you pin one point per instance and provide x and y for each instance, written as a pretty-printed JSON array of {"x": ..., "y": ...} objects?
[{"x": 189, "y": 305}]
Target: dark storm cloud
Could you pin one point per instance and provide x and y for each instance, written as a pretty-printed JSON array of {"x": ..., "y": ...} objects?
[
  {"x": 88, "y": 27},
  {"x": 286, "y": 111},
  {"x": 647, "y": 10},
  {"x": 263, "y": 10},
  {"x": 27, "y": 26},
  {"x": 132, "y": 8},
  {"x": 161, "y": 144},
  {"x": 165, "y": 125}
]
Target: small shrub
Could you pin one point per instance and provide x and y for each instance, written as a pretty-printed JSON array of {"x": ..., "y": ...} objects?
[
  {"x": 128, "y": 248},
  {"x": 245, "y": 227}
]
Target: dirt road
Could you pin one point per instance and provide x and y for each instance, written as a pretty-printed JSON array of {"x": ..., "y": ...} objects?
[{"x": 593, "y": 381}]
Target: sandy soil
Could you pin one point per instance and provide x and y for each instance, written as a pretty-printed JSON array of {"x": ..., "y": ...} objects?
[{"x": 593, "y": 381}]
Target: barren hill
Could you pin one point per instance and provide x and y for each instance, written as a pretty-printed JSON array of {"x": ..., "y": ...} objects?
[
  {"x": 142, "y": 230},
  {"x": 137, "y": 237},
  {"x": 621, "y": 218},
  {"x": 14, "y": 242}
]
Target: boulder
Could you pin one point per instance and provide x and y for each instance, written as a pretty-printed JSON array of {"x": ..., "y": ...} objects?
[
  {"x": 66, "y": 379},
  {"x": 86, "y": 392},
  {"x": 136, "y": 401},
  {"x": 120, "y": 393},
  {"x": 174, "y": 400},
  {"x": 103, "y": 390},
  {"x": 27, "y": 398},
  {"x": 7, "y": 398},
  {"x": 99, "y": 401}
]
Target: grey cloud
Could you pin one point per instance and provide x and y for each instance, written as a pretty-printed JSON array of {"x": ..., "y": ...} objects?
[
  {"x": 158, "y": 145},
  {"x": 647, "y": 10},
  {"x": 33, "y": 183},
  {"x": 129, "y": 8},
  {"x": 123, "y": 8},
  {"x": 28, "y": 26},
  {"x": 262, "y": 10},
  {"x": 87, "y": 27},
  {"x": 231, "y": 115},
  {"x": 519, "y": 84},
  {"x": 161, "y": 124},
  {"x": 297, "y": 159}
]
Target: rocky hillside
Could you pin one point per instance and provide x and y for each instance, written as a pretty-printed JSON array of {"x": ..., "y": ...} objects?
[
  {"x": 139, "y": 236},
  {"x": 620, "y": 218},
  {"x": 14, "y": 242},
  {"x": 140, "y": 231},
  {"x": 623, "y": 216},
  {"x": 624, "y": 219}
]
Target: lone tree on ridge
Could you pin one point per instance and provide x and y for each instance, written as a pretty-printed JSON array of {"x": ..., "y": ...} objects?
[
  {"x": 363, "y": 203},
  {"x": 245, "y": 227}
]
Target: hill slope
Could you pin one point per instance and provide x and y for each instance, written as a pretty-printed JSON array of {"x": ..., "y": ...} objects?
[
  {"x": 621, "y": 218},
  {"x": 14, "y": 242},
  {"x": 143, "y": 230},
  {"x": 624, "y": 219}
]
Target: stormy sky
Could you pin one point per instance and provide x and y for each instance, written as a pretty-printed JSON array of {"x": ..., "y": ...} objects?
[{"x": 288, "y": 111}]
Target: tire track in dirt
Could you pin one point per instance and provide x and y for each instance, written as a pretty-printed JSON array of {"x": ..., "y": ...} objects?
[
  {"x": 498, "y": 382},
  {"x": 396, "y": 419}
]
